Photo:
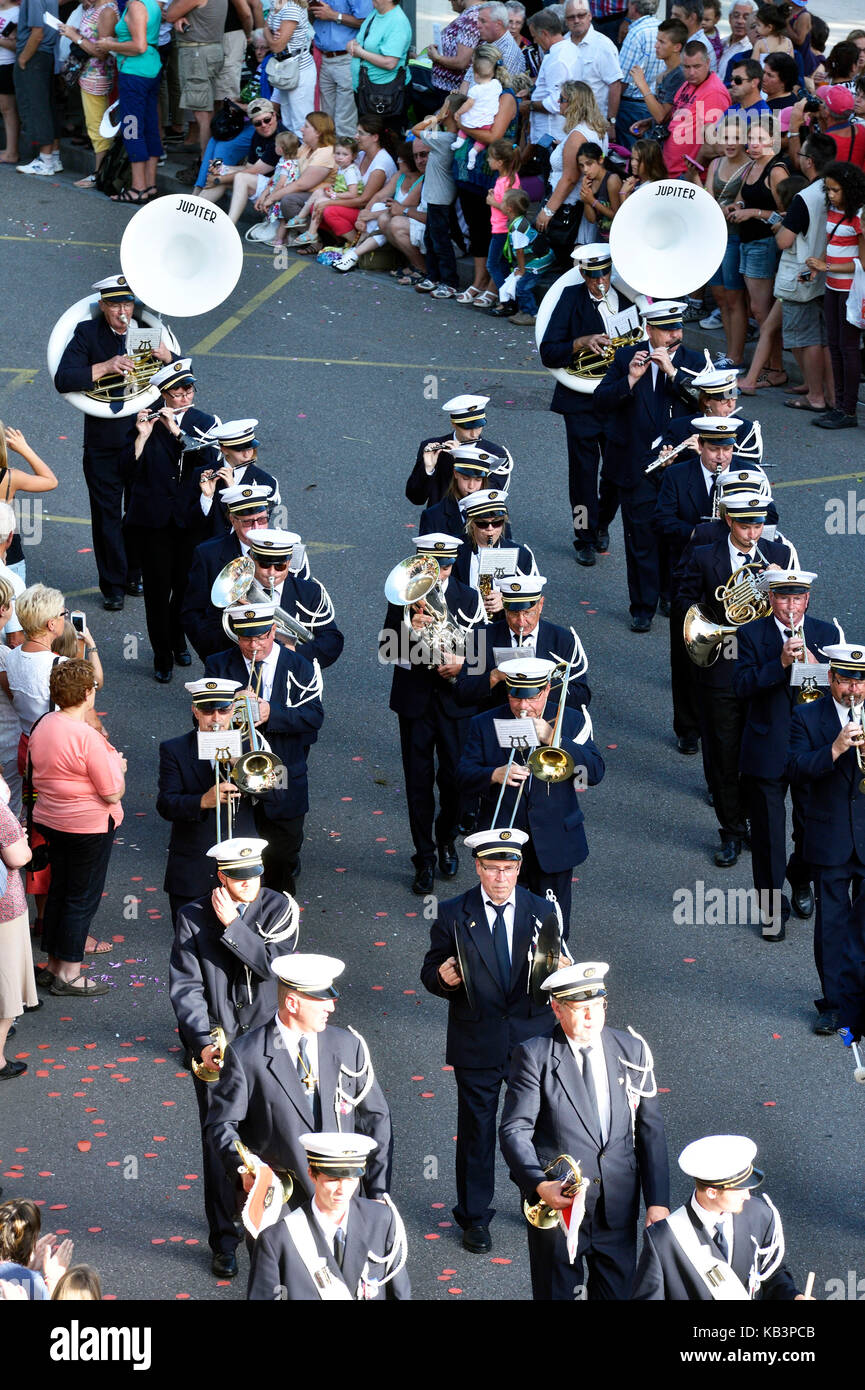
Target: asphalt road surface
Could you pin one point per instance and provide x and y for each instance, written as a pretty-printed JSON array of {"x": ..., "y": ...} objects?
[{"x": 346, "y": 374}]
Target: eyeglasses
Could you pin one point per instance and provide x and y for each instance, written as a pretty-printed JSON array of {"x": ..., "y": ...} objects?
[
  {"x": 738, "y": 81},
  {"x": 64, "y": 613},
  {"x": 272, "y": 564},
  {"x": 488, "y": 525},
  {"x": 264, "y": 121}
]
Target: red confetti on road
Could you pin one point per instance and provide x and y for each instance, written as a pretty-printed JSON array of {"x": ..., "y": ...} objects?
[
  {"x": 769, "y": 1102},
  {"x": 433, "y": 1235},
  {"x": 689, "y": 960},
  {"x": 84, "y": 1146},
  {"x": 498, "y": 1260}
]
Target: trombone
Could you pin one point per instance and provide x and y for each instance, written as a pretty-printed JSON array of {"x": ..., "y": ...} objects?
[
  {"x": 551, "y": 763},
  {"x": 222, "y": 756},
  {"x": 259, "y": 770}
]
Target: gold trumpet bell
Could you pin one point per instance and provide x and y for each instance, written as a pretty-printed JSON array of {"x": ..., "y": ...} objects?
[
  {"x": 703, "y": 637},
  {"x": 809, "y": 692},
  {"x": 211, "y": 1074},
  {"x": 539, "y": 1214},
  {"x": 551, "y": 764}
]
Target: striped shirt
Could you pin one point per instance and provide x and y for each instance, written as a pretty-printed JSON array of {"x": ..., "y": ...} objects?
[
  {"x": 844, "y": 232},
  {"x": 639, "y": 49}
]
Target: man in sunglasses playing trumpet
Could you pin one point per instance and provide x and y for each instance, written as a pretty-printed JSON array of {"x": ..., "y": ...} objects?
[
  {"x": 518, "y": 790},
  {"x": 220, "y": 974}
]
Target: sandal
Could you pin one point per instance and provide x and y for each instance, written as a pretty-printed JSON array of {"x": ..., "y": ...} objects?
[
  {"x": 311, "y": 248},
  {"x": 130, "y": 195},
  {"x": 777, "y": 372},
  {"x": 409, "y": 277},
  {"x": 305, "y": 239},
  {"x": 88, "y": 989},
  {"x": 469, "y": 296},
  {"x": 99, "y": 948},
  {"x": 486, "y": 300},
  {"x": 88, "y": 182},
  {"x": 150, "y": 193},
  {"x": 44, "y": 977}
]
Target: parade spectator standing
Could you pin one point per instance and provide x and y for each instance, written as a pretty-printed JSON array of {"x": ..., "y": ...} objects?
[
  {"x": 380, "y": 60},
  {"x": 738, "y": 44},
  {"x": 439, "y": 134},
  {"x": 98, "y": 76},
  {"x": 35, "y": 45},
  {"x": 333, "y": 29},
  {"x": 845, "y": 246},
  {"x": 17, "y": 982},
  {"x": 638, "y": 50},
  {"x": 559, "y": 64},
  {"x": 698, "y": 104},
  {"x": 609, "y": 15},
  {"x": 139, "y": 73},
  {"x": 780, "y": 78},
  {"x": 493, "y": 26},
  {"x": 690, "y": 12},
  {"x": 672, "y": 37},
  {"x": 748, "y": 104},
  {"x": 288, "y": 37},
  {"x": 802, "y": 234},
  {"x": 599, "y": 59},
  {"x": 200, "y": 56},
  {"x": 452, "y": 56},
  {"x": 8, "y": 108},
  {"x": 473, "y": 185}
]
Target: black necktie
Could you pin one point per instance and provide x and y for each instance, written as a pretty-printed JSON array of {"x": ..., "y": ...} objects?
[
  {"x": 500, "y": 946},
  {"x": 788, "y": 633},
  {"x": 589, "y": 1080},
  {"x": 712, "y": 490},
  {"x": 339, "y": 1245},
  {"x": 721, "y": 1242}
]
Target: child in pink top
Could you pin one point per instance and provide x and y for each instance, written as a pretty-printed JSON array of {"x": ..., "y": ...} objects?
[{"x": 504, "y": 159}]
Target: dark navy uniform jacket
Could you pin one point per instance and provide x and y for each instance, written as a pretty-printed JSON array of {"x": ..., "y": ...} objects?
[
  {"x": 183, "y": 778},
  {"x": 216, "y": 523},
  {"x": 426, "y": 489},
  {"x": 260, "y": 1099},
  {"x": 289, "y": 731},
  {"x": 681, "y": 428},
  {"x": 222, "y": 975},
  {"x": 683, "y": 505},
  {"x": 834, "y": 807},
  {"x": 278, "y": 1272},
  {"x": 550, "y": 812},
  {"x": 483, "y": 1034},
  {"x": 665, "y": 1272},
  {"x": 165, "y": 482},
  {"x": 551, "y": 643},
  {"x": 547, "y": 1112},
  {"x": 708, "y": 567},
  {"x": 416, "y": 687},
  {"x": 576, "y": 315},
  {"x": 93, "y": 341},
  {"x": 202, "y": 622},
  {"x": 760, "y": 679},
  {"x": 633, "y": 420}
]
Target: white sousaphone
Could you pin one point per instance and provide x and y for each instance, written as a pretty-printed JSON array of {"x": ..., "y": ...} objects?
[
  {"x": 665, "y": 241},
  {"x": 180, "y": 255}
]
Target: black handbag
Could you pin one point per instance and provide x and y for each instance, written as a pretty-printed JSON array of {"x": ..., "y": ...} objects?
[
  {"x": 381, "y": 98},
  {"x": 561, "y": 231},
  {"x": 74, "y": 66},
  {"x": 228, "y": 122}
]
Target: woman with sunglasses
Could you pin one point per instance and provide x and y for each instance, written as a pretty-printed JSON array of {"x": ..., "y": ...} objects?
[{"x": 485, "y": 516}]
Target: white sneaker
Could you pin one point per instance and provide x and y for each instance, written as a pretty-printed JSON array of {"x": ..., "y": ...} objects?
[
  {"x": 57, "y": 167},
  {"x": 712, "y": 320},
  {"x": 262, "y": 231},
  {"x": 347, "y": 261},
  {"x": 40, "y": 166}
]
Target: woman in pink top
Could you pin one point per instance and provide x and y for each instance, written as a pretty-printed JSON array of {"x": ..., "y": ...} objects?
[{"x": 79, "y": 780}]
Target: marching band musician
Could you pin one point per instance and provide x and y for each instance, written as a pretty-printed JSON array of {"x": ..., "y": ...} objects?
[
  {"x": 430, "y": 478},
  {"x": 220, "y": 976},
  {"x": 769, "y": 651},
  {"x": 580, "y": 323},
  {"x": 164, "y": 482},
  {"x": 643, "y": 388},
  {"x": 485, "y": 517},
  {"x": 298, "y": 1073},
  {"x": 717, "y": 394},
  {"x": 723, "y": 1244},
  {"x": 479, "y": 960},
  {"x": 686, "y": 497},
  {"x": 722, "y": 715},
  {"x": 432, "y": 725},
  {"x": 97, "y": 349},
  {"x": 471, "y": 472},
  {"x": 305, "y": 600},
  {"x": 611, "y": 1124},
  {"x": 237, "y": 465},
  {"x": 248, "y": 510},
  {"x": 287, "y": 689},
  {"x": 337, "y": 1246},
  {"x": 522, "y": 631},
  {"x": 550, "y": 812},
  {"x": 187, "y": 796},
  {"x": 823, "y": 761}
]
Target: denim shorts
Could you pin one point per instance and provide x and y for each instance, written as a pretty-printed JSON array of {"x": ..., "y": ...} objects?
[
  {"x": 727, "y": 275},
  {"x": 759, "y": 259}
]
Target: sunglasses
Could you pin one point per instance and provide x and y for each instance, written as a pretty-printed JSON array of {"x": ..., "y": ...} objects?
[
  {"x": 489, "y": 525},
  {"x": 272, "y": 564},
  {"x": 264, "y": 121},
  {"x": 64, "y": 613},
  {"x": 737, "y": 82}
]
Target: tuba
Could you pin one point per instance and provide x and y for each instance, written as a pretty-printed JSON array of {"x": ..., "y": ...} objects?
[
  {"x": 211, "y": 1074},
  {"x": 180, "y": 256},
  {"x": 539, "y": 1214},
  {"x": 236, "y": 583}
]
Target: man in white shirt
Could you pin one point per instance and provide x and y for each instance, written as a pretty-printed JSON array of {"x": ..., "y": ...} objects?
[
  {"x": 599, "y": 58},
  {"x": 738, "y": 44},
  {"x": 560, "y": 64}
]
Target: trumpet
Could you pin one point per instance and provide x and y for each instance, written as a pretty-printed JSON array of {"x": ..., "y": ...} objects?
[
  {"x": 744, "y": 595},
  {"x": 809, "y": 690},
  {"x": 857, "y": 716},
  {"x": 540, "y": 1214},
  {"x": 211, "y": 1074}
]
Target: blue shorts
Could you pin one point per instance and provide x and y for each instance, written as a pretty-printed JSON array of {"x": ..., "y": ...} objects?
[
  {"x": 759, "y": 259},
  {"x": 727, "y": 275}
]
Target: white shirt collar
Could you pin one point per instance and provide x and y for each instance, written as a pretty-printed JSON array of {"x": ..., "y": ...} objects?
[{"x": 326, "y": 1225}]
